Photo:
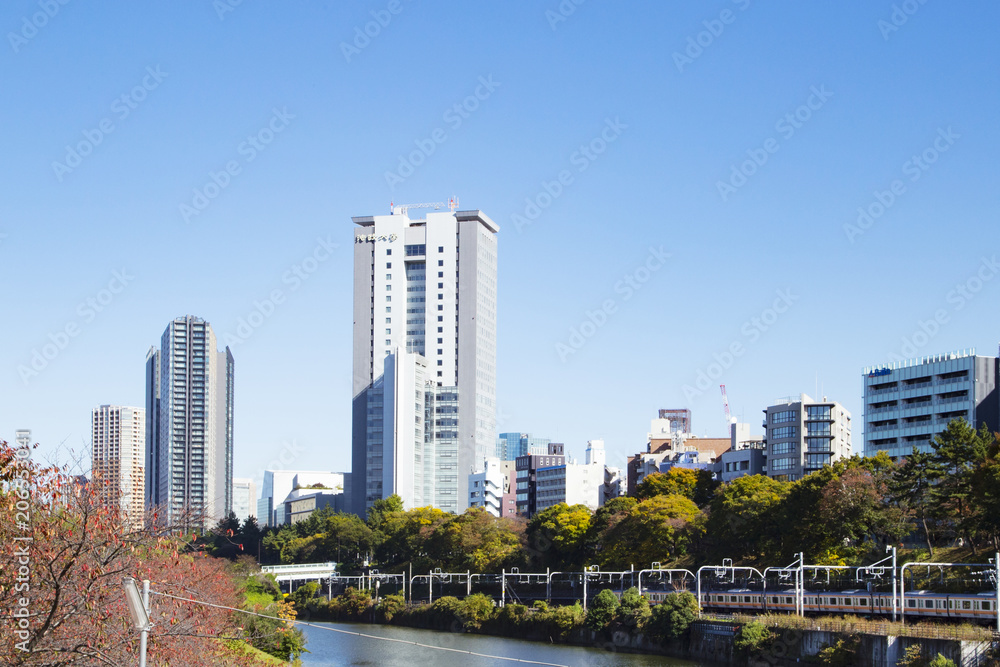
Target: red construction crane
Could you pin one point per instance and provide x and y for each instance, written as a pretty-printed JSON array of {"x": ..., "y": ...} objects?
[{"x": 725, "y": 402}]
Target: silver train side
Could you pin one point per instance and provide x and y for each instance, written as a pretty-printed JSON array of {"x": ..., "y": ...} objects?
[{"x": 922, "y": 604}]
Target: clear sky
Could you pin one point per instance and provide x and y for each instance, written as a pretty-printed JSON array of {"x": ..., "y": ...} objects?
[{"x": 714, "y": 157}]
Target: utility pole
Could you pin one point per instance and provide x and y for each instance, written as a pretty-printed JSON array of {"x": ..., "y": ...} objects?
[{"x": 894, "y": 607}]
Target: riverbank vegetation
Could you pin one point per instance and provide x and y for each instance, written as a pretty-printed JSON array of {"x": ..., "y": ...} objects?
[{"x": 606, "y": 615}]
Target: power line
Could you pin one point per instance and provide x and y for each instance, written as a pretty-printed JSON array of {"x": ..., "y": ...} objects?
[{"x": 361, "y": 634}]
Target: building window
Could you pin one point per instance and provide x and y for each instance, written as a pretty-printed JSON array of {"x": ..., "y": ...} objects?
[
  {"x": 388, "y": 276},
  {"x": 440, "y": 248},
  {"x": 783, "y": 416},
  {"x": 440, "y": 296},
  {"x": 388, "y": 265},
  {"x": 388, "y": 251},
  {"x": 388, "y": 309},
  {"x": 439, "y": 342},
  {"x": 440, "y": 262},
  {"x": 818, "y": 412},
  {"x": 388, "y": 320},
  {"x": 440, "y": 330},
  {"x": 440, "y": 285},
  {"x": 440, "y": 274},
  {"x": 440, "y": 319},
  {"x": 818, "y": 428},
  {"x": 784, "y": 432},
  {"x": 388, "y": 342},
  {"x": 440, "y": 307},
  {"x": 388, "y": 288},
  {"x": 388, "y": 298}
]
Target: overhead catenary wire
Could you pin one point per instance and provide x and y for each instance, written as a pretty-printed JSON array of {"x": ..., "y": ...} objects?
[{"x": 360, "y": 634}]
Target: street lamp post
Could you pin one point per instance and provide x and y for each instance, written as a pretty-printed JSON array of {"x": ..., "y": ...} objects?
[{"x": 138, "y": 606}]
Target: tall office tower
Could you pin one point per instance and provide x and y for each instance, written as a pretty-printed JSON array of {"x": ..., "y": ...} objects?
[
  {"x": 908, "y": 403},
  {"x": 424, "y": 406},
  {"x": 118, "y": 455},
  {"x": 802, "y": 435},
  {"x": 189, "y": 437}
]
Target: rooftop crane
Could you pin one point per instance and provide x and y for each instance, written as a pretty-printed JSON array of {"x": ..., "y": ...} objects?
[{"x": 725, "y": 403}]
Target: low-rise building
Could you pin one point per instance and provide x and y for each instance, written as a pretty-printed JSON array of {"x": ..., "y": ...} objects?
[
  {"x": 746, "y": 455},
  {"x": 803, "y": 435},
  {"x": 570, "y": 483},
  {"x": 489, "y": 486},
  {"x": 527, "y": 467},
  {"x": 300, "y": 504}
]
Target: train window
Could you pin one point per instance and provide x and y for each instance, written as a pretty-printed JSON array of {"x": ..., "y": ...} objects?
[
  {"x": 986, "y": 606},
  {"x": 966, "y": 604},
  {"x": 911, "y": 603},
  {"x": 928, "y": 604},
  {"x": 788, "y": 600},
  {"x": 746, "y": 598},
  {"x": 732, "y": 598}
]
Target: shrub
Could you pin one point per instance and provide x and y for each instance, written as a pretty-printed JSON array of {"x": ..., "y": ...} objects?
[
  {"x": 671, "y": 619},
  {"x": 445, "y": 612},
  {"x": 602, "y": 610},
  {"x": 476, "y": 610},
  {"x": 844, "y": 653},
  {"x": 559, "y": 622},
  {"x": 752, "y": 639},
  {"x": 389, "y": 606},
  {"x": 634, "y": 612}
]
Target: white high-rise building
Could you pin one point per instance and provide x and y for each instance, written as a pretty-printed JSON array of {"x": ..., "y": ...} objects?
[
  {"x": 244, "y": 498},
  {"x": 118, "y": 456},
  {"x": 189, "y": 435},
  {"x": 424, "y": 391}
]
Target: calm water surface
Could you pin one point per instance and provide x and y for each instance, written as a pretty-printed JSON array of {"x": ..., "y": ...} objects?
[{"x": 333, "y": 648}]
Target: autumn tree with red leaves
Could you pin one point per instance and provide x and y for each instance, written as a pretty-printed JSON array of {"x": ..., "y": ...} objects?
[{"x": 65, "y": 554}]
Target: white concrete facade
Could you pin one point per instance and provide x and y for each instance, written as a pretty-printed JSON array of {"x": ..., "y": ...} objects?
[{"x": 424, "y": 287}]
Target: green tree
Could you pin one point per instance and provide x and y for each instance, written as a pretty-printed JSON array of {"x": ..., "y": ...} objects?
[
  {"x": 405, "y": 539},
  {"x": 633, "y": 612},
  {"x": 346, "y": 540},
  {"x": 745, "y": 519},
  {"x": 752, "y": 639},
  {"x": 959, "y": 450},
  {"x": 657, "y": 529},
  {"x": 912, "y": 487},
  {"x": 695, "y": 485},
  {"x": 858, "y": 505},
  {"x": 477, "y": 541},
  {"x": 671, "y": 618},
  {"x": 602, "y": 610},
  {"x": 557, "y": 536},
  {"x": 986, "y": 493}
]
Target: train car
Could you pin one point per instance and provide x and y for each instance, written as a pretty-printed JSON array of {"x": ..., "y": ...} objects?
[{"x": 981, "y": 607}]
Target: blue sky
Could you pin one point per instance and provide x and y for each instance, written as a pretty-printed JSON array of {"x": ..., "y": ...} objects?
[{"x": 829, "y": 104}]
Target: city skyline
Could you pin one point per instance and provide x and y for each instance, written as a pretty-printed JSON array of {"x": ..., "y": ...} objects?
[{"x": 773, "y": 203}]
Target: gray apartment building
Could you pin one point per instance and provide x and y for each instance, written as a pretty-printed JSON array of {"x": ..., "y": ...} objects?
[
  {"x": 802, "y": 435},
  {"x": 189, "y": 425},
  {"x": 908, "y": 403},
  {"x": 424, "y": 384}
]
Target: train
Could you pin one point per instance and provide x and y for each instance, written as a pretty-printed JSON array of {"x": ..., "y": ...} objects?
[{"x": 976, "y": 607}]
